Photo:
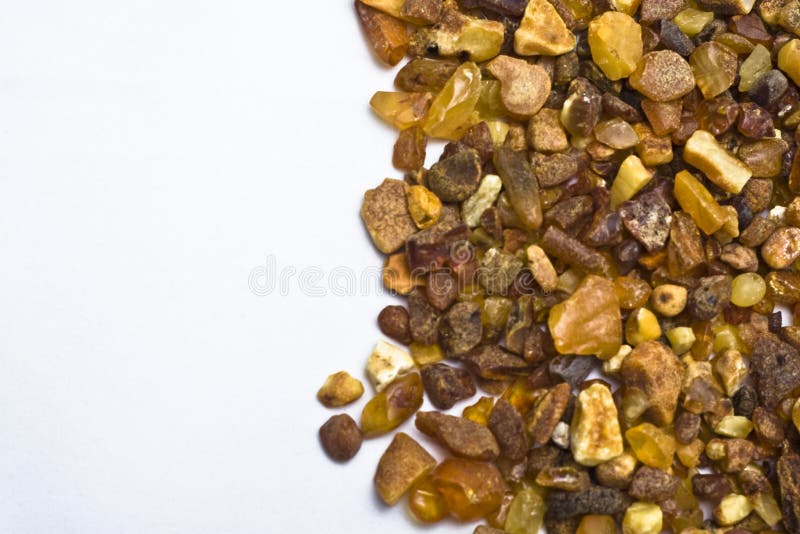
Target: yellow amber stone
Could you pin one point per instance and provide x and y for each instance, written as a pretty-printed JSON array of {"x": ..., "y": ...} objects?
[
  {"x": 471, "y": 490},
  {"x": 689, "y": 455},
  {"x": 389, "y": 408},
  {"x": 748, "y": 289},
  {"x": 726, "y": 337},
  {"x": 615, "y": 40},
  {"x": 651, "y": 445},
  {"x": 589, "y": 321},
  {"x": 453, "y": 110},
  {"x": 423, "y": 206},
  {"x": 425, "y": 502},
  {"x": 642, "y": 325},
  {"x": 426, "y": 354},
  {"x": 526, "y": 513},
  {"x": 400, "y": 109},
  {"x": 691, "y": 21},
  {"x": 597, "y": 524},
  {"x": 632, "y": 292},
  {"x": 789, "y": 60},
  {"x": 696, "y": 200},
  {"x": 480, "y": 411},
  {"x": 522, "y": 397}
]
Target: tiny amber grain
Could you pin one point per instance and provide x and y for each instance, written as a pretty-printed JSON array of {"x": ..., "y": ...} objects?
[{"x": 386, "y": 410}]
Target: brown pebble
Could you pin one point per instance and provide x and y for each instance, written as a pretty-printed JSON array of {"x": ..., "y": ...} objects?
[
  {"x": 710, "y": 297},
  {"x": 446, "y": 385},
  {"x": 662, "y": 76},
  {"x": 385, "y": 214},
  {"x": 402, "y": 464},
  {"x": 687, "y": 427},
  {"x": 653, "y": 485},
  {"x": 393, "y": 322},
  {"x": 508, "y": 428},
  {"x": 460, "y": 329},
  {"x": 340, "y": 437},
  {"x": 712, "y": 486},
  {"x": 542, "y": 420},
  {"x": 423, "y": 319},
  {"x": 655, "y": 370},
  {"x": 455, "y": 178},
  {"x": 461, "y": 436},
  {"x": 768, "y": 427},
  {"x": 775, "y": 368},
  {"x": 492, "y": 362}
]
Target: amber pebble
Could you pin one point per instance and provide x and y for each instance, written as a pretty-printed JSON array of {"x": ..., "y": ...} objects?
[
  {"x": 651, "y": 445},
  {"x": 597, "y": 524},
  {"x": 425, "y": 502},
  {"x": 452, "y": 111},
  {"x": 526, "y": 513},
  {"x": 615, "y": 40},
  {"x": 714, "y": 66},
  {"x": 387, "y": 35},
  {"x": 400, "y": 109},
  {"x": 717, "y": 115},
  {"x": 386, "y": 410},
  {"x": 480, "y": 411},
  {"x": 632, "y": 292},
  {"x": 589, "y": 322},
  {"x": 471, "y": 490}
]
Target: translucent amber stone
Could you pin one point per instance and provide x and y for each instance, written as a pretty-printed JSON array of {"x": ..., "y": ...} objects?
[
  {"x": 697, "y": 201},
  {"x": 692, "y": 21},
  {"x": 494, "y": 315},
  {"x": 747, "y": 290},
  {"x": 589, "y": 321},
  {"x": 490, "y": 105},
  {"x": 471, "y": 490},
  {"x": 704, "y": 340},
  {"x": 651, "y": 445},
  {"x": 480, "y": 411},
  {"x": 426, "y": 354},
  {"x": 386, "y": 410},
  {"x": 425, "y": 502},
  {"x": 714, "y": 66},
  {"x": 522, "y": 397},
  {"x": 453, "y": 109},
  {"x": 632, "y": 292},
  {"x": 767, "y": 508},
  {"x": 757, "y": 63},
  {"x": 597, "y": 524},
  {"x": 615, "y": 40},
  {"x": 399, "y": 109},
  {"x": 526, "y": 513},
  {"x": 616, "y": 133},
  {"x": 726, "y": 337},
  {"x": 789, "y": 60}
]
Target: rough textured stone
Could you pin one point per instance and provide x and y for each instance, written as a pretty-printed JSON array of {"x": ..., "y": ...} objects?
[
  {"x": 461, "y": 436},
  {"x": 655, "y": 370},
  {"x": 446, "y": 385},
  {"x": 385, "y": 214},
  {"x": 775, "y": 367}
]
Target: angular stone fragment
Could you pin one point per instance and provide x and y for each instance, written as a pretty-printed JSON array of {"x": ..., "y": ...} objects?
[
  {"x": 782, "y": 248},
  {"x": 471, "y": 490},
  {"x": 524, "y": 87},
  {"x": 508, "y": 428},
  {"x": 554, "y": 169},
  {"x": 768, "y": 88},
  {"x": 704, "y": 152},
  {"x": 658, "y": 10},
  {"x": 387, "y": 36},
  {"x": 673, "y": 38},
  {"x": 481, "y": 200},
  {"x": 615, "y": 41},
  {"x": 715, "y": 67},
  {"x": 492, "y": 362},
  {"x": 617, "y": 473},
  {"x": 542, "y": 420},
  {"x": 423, "y": 319},
  {"x": 653, "y": 485},
  {"x": 521, "y": 186},
  {"x": 421, "y": 75},
  {"x": 662, "y": 76},
  {"x": 401, "y": 465},
  {"x": 459, "y": 35},
  {"x": 595, "y": 500},
  {"x": 457, "y": 177},
  {"x": 446, "y": 385},
  {"x": 589, "y": 321},
  {"x": 582, "y": 108},
  {"x": 542, "y": 31},
  {"x": 595, "y": 435},
  {"x": 789, "y": 483},
  {"x": 385, "y": 214},
  {"x": 340, "y": 389},
  {"x": 728, "y": 7},
  {"x": 422, "y": 11},
  {"x": 710, "y": 297},
  {"x": 648, "y": 219},
  {"x": 497, "y": 271},
  {"x": 789, "y": 55},
  {"x": 775, "y": 367},
  {"x": 541, "y": 268},
  {"x": 545, "y": 132},
  {"x": 460, "y": 329},
  {"x": 461, "y": 436},
  {"x": 655, "y": 370}
]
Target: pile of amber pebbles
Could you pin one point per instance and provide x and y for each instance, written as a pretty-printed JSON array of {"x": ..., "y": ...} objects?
[{"x": 601, "y": 271}]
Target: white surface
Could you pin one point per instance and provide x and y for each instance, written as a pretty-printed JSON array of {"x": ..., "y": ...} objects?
[{"x": 152, "y": 155}]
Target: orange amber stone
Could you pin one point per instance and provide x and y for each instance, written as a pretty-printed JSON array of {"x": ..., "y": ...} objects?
[
  {"x": 480, "y": 411},
  {"x": 632, "y": 292},
  {"x": 597, "y": 524},
  {"x": 386, "y": 410},
  {"x": 425, "y": 502},
  {"x": 522, "y": 397},
  {"x": 704, "y": 340},
  {"x": 471, "y": 490}
]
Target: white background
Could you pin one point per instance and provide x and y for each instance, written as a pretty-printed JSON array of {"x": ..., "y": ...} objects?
[{"x": 153, "y": 154}]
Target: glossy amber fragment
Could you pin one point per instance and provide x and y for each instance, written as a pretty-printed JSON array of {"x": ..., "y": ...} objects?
[
  {"x": 692, "y": 21},
  {"x": 387, "y": 35},
  {"x": 480, "y": 411},
  {"x": 632, "y": 292},
  {"x": 386, "y": 410},
  {"x": 651, "y": 445},
  {"x": 597, "y": 524},
  {"x": 757, "y": 63},
  {"x": 400, "y": 109},
  {"x": 714, "y": 66},
  {"x": 471, "y": 490},
  {"x": 696, "y": 200},
  {"x": 789, "y": 60},
  {"x": 452, "y": 112},
  {"x": 425, "y": 502},
  {"x": 703, "y": 151},
  {"x": 615, "y": 40},
  {"x": 589, "y": 321},
  {"x": 526, "y": 513},
  {"x": 542, "y": 31}
]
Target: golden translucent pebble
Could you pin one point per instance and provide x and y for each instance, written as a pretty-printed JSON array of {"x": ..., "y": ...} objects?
[
  {"x": 452, "y": 111},
  {"x": 704, "y": 152},
  {"x": 425, "y": 502},
  {"x": 480, "y": 411},
  {"x": 589, "y": 321},
  {"x": 616, "y": 133},
  {"x": 698, "y": 202},
  {"x": 423, "y": 206},
  {"x": 642, "y": 325},
  {"x": 714, "y": 66},
  {"x": 401, "y": 465},
  {"x": 691, "y": 21},
  {"x": 615, "y": 41},
  {"x": 597, "y": 524},
  {"x": 681, "y": 339},
  {"x": 526, "y": 513},
  {"x": 524, "y": 86},
  {"x": 789, "y": 60},
  {"x": 400, "y": 109},
  {"x": 651, "y": 445},
  {"x": 389, "y": 408},
  {"x": 747, "y": 290},
  {"x": 396, "y": 274},
  {"x": 542, "y": 31},
  {"x": 757, "y": 63},
  {"x": 663, "y": 76},
  {"x": 471, "y": 490},
  {"x": 631, "y": 178},
  {"x": 732, "y": 509},
  {"x": 387, "y": 36}
]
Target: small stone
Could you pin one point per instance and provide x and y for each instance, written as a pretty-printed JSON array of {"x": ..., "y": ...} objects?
[
  {"x": 386, "y": 363},
  {"x": 595, "y": 500},
  {"x": 545, "y": 132},
  {"x": 460, "y": 329},
  {"x": 740, "y": 257},
  {"x": 472, "y": 490},
  {"x": 340, "y": 437},
  {"x": 668, "y": 300},
  {"x": 541, "y": 268},
  {"x": 565, "y": 478},
  {"x": 651, "y": 445},
  {"x": 664, "y": 117},
  {"x": 461, "y": 436},
  {"x": 497, "y": 271},
  {"x": 521, "y": 185},
  {"x": 555, "y": 169},
  {"x": 673, "y": 38},
  {"x": 542, "y": 31},
  {"x": 492, "y": 362},
  {"x": 423, "y": 319},
  {"x": 715, "y": 67},
  {"x": 385, "y": 214},
  {"x": 402, "y": 464},
  {"x": 789, "y": 55},
  {"x": 782, "y": 248},
  {"x": 582, "y": 108},
  {"x": 658, "y": 10},
  {"x": 387, "y": 36},
  {"x": 481, "y": 200},
  {"x": 589, "y": 321},
  {"x": 616, "y": 133},
  {"x": 663, "y": 76},
  {"x": 441, "y": 289},
  {"x": 730, "y": 367},
  {"x": 757, "y": 232},
  {"x": 732, "y": 509},
  {"x": 711, "y": 487},
  {"x": 542, "y": 420},
  {"x": 768, "y": 427},
  {"x": 340, "y": 389},
  {"x": 655, "y": 370},
  {"x": 653, "y": 485},
  {"x": 687, "y": 427},
  {"x": 737, "y": 454},
  {"x": 647, "y": 218},
  {"x": 456, "y": 178},
  {"x": 616, "y": 107},
  {"x": 710, "y": 297},
  {"x": 571, "y": 370},
  {"x": 617, "y": 473},
  {"x": 508, "y": 428},
  {"x": 704, "y": 152},
  {"x": 768, "y": 88},
  {"x": 524, "y": 87},
  {"x": 642, "y": 518},
  {"x": 755, "y": 122},
  {"x": 595, "y": 432},
  {"x": 775, "y": 367},
  {"x": 424, "y": 206},
  {"x": 396, "y": 275},
  {"x": 764, "y": 157},
  {"x": 615, "y": 40},
  {"x": 446, "y": 385}
]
